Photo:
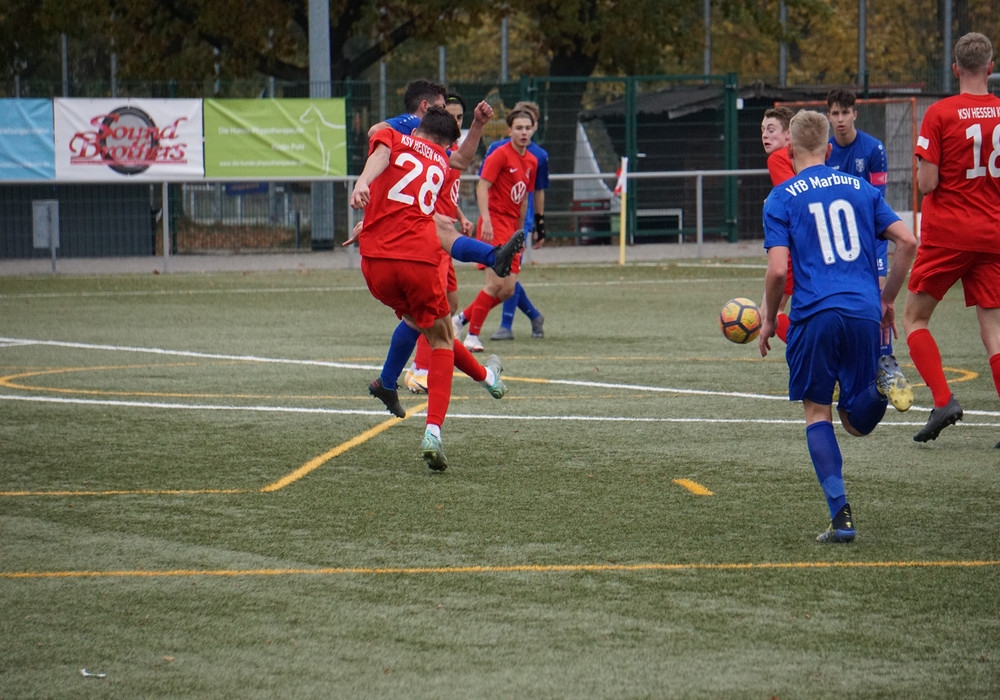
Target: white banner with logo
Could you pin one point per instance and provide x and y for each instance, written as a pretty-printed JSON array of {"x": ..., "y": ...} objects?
[{"x": 116, "y": 140}]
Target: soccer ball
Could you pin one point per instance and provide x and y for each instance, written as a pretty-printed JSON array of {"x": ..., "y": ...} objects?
[{"x": 740, "y": 320}]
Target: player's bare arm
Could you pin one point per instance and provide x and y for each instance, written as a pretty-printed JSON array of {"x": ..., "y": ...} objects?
[
  {"x": 377, "y": 162},
  {"x": 927, "y": 176},
  {"x": 906, "y": 250},
  {"x": 355, "y": 232},
  {"x": 774, "y": 287},
  {"x": 377, "y": 127},
  {"x": 483, "y": 202},
  {"x": 467, "y": 151},
  {"x": 465, "y": 224}
]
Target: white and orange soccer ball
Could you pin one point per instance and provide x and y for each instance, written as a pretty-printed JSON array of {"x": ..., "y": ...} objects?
[{"x": 740, "y": 320}]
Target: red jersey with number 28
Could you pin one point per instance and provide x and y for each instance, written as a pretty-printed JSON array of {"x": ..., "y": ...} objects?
[
  {"x": 513, "y": 178},
  {"x": 961, "y": 135},
  {"x": 399, "y": 221}
]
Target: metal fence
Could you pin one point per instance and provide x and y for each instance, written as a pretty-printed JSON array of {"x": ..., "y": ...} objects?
[{"x": 670, "y": 127}]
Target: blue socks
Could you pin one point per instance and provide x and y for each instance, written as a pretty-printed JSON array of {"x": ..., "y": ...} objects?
[
  {"x": 404, "y": 339},
  {"x": 466, "y": 249},
  {"x": 887, "y": 348},
  {"x": 524, "y": 303},
  {"x": 518, "y": 300},
  {"x": 828, "y": 463},
  {"x": 510, "y": 308},
  {"x": 868, "y": 410}
]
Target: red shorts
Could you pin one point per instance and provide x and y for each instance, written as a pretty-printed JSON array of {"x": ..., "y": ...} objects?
[
  {"x": 411, "y": 289},
  {"x": 936, "y": 270},
  {"x": 448, "y": 270},
  {"x": 501, "y": 234}
]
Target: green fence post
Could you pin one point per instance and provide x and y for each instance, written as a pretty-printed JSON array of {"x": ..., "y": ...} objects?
[
  {"x": 731, "y": 156},
  {"x": 632, "y": 151}
]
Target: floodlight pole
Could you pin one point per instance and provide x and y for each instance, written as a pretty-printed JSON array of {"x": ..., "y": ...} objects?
[
  {"x": 862, "y": 42},
  {"x": 946, "y": 36},
  {"x": 707, "y": 16},
  {"x": 319, "y": 86}
]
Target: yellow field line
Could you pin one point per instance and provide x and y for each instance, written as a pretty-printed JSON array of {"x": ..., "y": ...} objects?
[
  {"x": 343, "y": 447},
  {"x": 694, "y": 487},
  {"x": 281, "y": 483},
  {"x": 515, "y": 569}
]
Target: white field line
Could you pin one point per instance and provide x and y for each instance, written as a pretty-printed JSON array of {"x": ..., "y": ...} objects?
[
  {"x": 180, "y": 292},
  {"x": 457, "y": 416},
  {"x": 8, "y": 342},
  {"x": 355, "y": 288}
]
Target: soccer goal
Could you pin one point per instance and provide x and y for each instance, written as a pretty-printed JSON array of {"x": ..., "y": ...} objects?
[{"x": 893, "y": 121}]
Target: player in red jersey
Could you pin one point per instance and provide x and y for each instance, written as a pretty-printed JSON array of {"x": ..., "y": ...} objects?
[
  {"x": 415, "y": 377},
  {"x": 401, "y": 256},
  {"x": 506, "y": 180},
  {"x": 774, "y": 135},
  {"x": 959, "y": 175}
]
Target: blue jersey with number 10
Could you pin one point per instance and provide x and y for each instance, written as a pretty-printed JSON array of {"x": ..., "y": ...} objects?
[{"x": 831, "y": 223}]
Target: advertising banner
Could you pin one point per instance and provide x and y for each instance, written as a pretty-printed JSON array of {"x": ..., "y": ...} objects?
[
  {"x": 111, "y": 140},
  {"x": 275, "y": 138},
  {"x": 27, "y": 149}
]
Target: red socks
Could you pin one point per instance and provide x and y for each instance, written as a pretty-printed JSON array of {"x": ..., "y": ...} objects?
[
  {"x": 995, "y": 367},
  {"x": 477, "y": 311},
  {"x": 422, "y": 358},
  {"x": 927, "y": 359},
  {"x": 439, "y": 375},
  {"x": 467, "y": 364}
]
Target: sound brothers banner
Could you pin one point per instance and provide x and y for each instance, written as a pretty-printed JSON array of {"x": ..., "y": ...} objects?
[
  {"x": 112, "y": 140},
  {"x": 254, "y": 139},
  {"x": 26, "y": 146}
]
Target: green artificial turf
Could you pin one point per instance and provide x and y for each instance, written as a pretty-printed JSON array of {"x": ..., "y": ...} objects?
[{"x": 201, "y": 500}]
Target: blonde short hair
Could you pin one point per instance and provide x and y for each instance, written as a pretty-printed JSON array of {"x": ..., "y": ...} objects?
[
  {"x": 809, "y": 131},
  {"x": 973, "y": 52}
]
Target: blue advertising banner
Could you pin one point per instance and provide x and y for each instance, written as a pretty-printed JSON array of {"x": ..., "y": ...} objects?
[{"x": 27, "y": 143}]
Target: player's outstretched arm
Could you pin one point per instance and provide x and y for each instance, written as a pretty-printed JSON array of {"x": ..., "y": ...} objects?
[
  {"x": 378, "y": 127},
  {"x": 377, "y": 162},
  {"x": 467, "y": 151}
]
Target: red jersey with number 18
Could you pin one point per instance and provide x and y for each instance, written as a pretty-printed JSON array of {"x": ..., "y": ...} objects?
[
  {"x": 399, "y": 221},
  {"x": 961, "y": 135}
]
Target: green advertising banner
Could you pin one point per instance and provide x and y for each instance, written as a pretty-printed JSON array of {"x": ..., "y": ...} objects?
[{"x": 275, "y": 138}]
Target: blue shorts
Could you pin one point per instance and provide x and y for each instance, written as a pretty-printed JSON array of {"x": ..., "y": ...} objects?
[{"x": 827, "y": 348}]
